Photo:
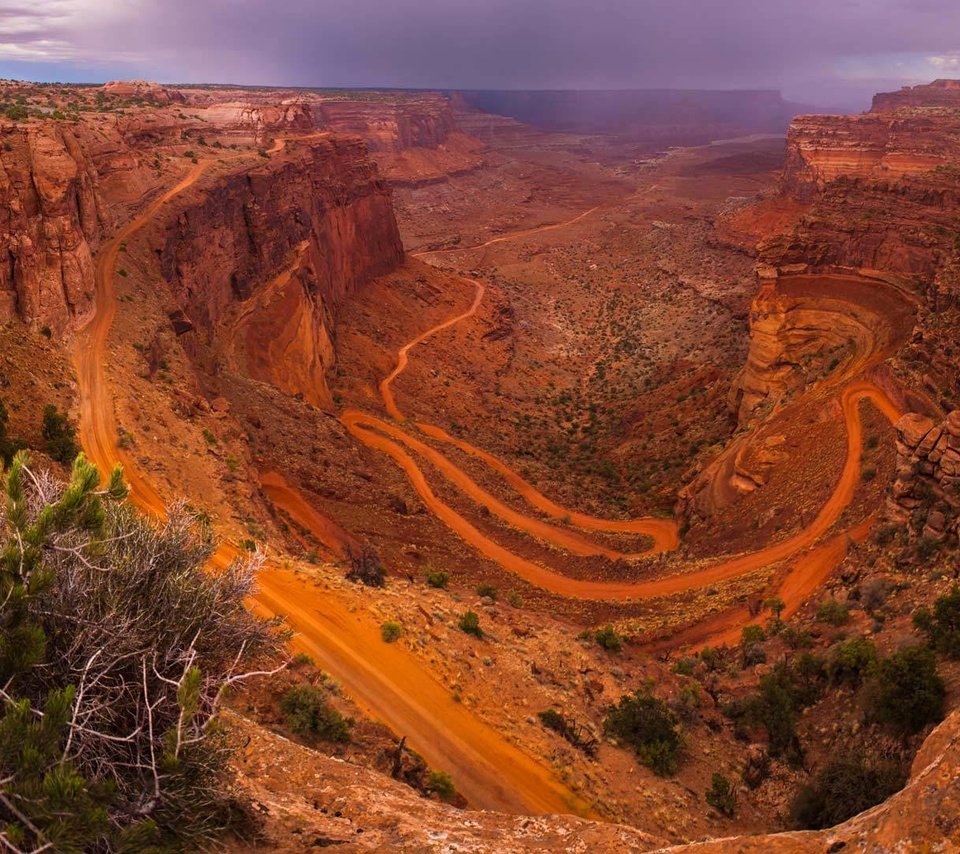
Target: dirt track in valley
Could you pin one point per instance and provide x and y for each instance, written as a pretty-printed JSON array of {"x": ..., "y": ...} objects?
[{"x": 386, "y": 680}]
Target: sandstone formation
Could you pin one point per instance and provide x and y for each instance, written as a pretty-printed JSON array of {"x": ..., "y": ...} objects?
[
  {"x": 143, "y": 90},
  {"x": 926, "y": 493},
  {"x": 306, "y": 800},
  {"x": 939, "y": 93},
  {"x": 50, "y": 217},
  {"x": 291, "y": 240}
]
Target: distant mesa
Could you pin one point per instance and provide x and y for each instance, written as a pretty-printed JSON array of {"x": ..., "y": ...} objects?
[{"x": 143, "y": 90}]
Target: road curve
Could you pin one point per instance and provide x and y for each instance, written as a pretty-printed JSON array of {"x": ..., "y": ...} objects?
[
  {"x": 555, "y": 582},
  {"x": 386, "y": 680}
]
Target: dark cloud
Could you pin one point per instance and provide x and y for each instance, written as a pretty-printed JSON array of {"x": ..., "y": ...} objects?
[{"x": 808, "y": 47}]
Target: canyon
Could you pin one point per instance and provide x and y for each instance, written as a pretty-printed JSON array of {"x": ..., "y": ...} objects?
[{"x": 599, "y": 361}]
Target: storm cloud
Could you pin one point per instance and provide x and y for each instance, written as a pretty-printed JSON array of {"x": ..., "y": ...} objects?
[{"x": 819, "y": 51}]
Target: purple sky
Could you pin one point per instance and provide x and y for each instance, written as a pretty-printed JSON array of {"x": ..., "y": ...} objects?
[{"x": 823, "y": 52}]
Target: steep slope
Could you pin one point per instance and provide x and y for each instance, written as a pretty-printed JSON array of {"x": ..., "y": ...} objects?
[{"x": 294, "y": 239}]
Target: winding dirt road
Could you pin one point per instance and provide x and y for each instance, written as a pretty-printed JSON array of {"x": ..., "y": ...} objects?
[{"x": 385, "y": 680}]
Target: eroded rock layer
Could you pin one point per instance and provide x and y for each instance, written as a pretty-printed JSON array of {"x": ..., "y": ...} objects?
[{"x": 260, "y": 262}]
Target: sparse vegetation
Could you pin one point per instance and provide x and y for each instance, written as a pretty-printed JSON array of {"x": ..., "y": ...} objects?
[
  {"x": 607, "y": 637},
  {"x": 571, "y": 732},
  {"x": 906, "y": 693},
  {"x": 833, "y": 613},
  {"x": 722, "y": 796},
  {"x": 486, "y": 591},
  {"x": 391, "y": 631},
  {"x": 942, "y": 625},
  {"x": 307, "y": 713},
  {"x": 645, "y": 724},
  {"x": 365, "y": 567},
  {"x": 441, "y": 783},
  {"x": 59, "y": 435},
  {"x": 842, "y": 789},
  {"x": 438, "y": 578},
  {"x": 470, "y": 624}
]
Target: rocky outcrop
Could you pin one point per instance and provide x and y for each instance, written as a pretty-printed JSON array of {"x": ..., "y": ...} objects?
[
  {"x": 261, "y": 261},
  {"x": 939, "y": 93},
  {"x": 304, "y": 800},
  {"x": 390, "y": 125},
  {"x": 926, "y": 494},
  {"x": 143, "y": 90},
  {"x": 259, "y": 121},
  {"x": 50, "y": 217}
]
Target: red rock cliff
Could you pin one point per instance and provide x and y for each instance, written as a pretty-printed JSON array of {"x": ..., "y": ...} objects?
[{"x": 261, "y": 261}]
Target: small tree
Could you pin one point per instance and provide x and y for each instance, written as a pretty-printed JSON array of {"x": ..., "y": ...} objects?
[
  {"x": 365, "y": 567},
  {"x": 843, "y": 789},
  {"x": 722, "y": 796},
  {"x": 441, "y": 783},
  {"x": 60, "y": 437},
  {"x": 907, "y": 693},
  {"x": 607, "y": 637},
  {"x": 942, "y": 627},
  {"x": 647, "y": 725},
  {"x": 852, "y": 661}
]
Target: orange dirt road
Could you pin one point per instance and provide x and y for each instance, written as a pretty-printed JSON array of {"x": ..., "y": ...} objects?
[{"x": 384, "y": 679}]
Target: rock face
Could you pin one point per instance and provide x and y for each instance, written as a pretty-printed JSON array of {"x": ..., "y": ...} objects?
[
  {"x": 412, "y": 122},
  {"x": 50, "y": 216},
  {"x": 259, "y": 264},
  {"x": 143, "y": 90},
  {"x": 939, "y": 93},
  {"x": 306, "y": 799},
  {"x": 926, "y": 493}
]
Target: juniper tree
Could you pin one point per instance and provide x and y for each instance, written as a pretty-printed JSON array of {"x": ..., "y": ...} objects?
[{"x": 115, "y": 650}]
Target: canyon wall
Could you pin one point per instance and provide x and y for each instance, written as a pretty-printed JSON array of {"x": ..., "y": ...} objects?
[
  {"x": 61, "y": 185},
  {"x": 260, "y": 262},
  {"x": 875, "y": 196}
]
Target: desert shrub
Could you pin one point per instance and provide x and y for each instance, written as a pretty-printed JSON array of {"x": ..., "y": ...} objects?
[
  {"x": 470, "y": 624},
  {"x": 115, "y": 652},
  {"x": 390, "y": 631},
  {"x": 684, "y": 666},
  {"x": 646, "y": 724},
  {"x": 442, "y": 783},
  {"x": 843, "y": 789},
  {"x": 852, "y": 661},
  {"x": 873, "y": 594},
  {"x": 8, "y": 446},
  {"x": 752, "y": 635},
  {"x": 438, "y": 578},
  {"x": 712, "y": 657},
  {"x": 307, "y": 712},
  {"x": 942, "y": 626},
  {"x": 751, "y": 649},
  {"x": 927, "y": 547},
  {"x": 59, "y": 435},
  {"x": 796, "y": 638},
  {"x": 688, "y": 702},
  {"x": 906, "y": 692},
  {"x": 487, "y": 590},
  {"x": 568, "y": 730},
  {"x": 833, "y": 612},
  {"x": 722, "y": 796},
  {"x": 783, "y": 693},
  {"x": 365, "y": 567},
  {"x": 607, "y": 637}
]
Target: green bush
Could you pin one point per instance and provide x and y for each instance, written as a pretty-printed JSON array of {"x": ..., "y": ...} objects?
[
  {"x": 442, "y": 783},
  {"x": 8, "y": 446},
  {"x": 390, "y": 631},
  {"x": 470, "y": 624},
  {"x": 607, "y": 637},
  {"x": 783, "y": 693},
  {"x": 60, "y": 437},
  {"x": 307, "y": 713},
  {"x": 721, "y": 795},
  {"x": 752, "y": 635},
  {"x": 907, "y": 693},
  {"x": 487, "y": 590},
  {"x": 843, "y": 789},
  {"x": 646, "y": 724},
  {"x": 852, "y": 661},
  {"x": 833, "y": 612},
  {"x": 437, "y": 578},
  {"x": 942, "y": 626}
]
